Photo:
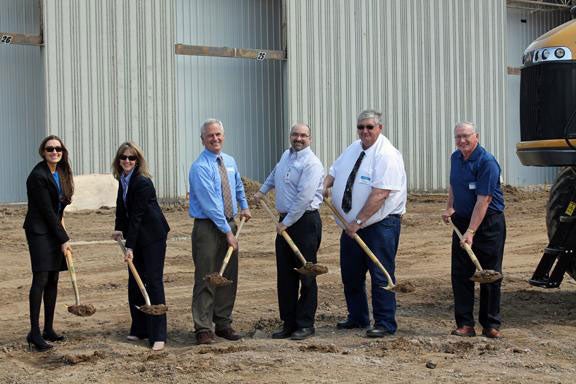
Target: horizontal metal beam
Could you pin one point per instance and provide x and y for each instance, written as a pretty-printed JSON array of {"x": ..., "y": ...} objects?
[
  {"x": 539, "y": 4},
  {"x": 20, "y": 39},
  {"x": 241, "y": 53}
]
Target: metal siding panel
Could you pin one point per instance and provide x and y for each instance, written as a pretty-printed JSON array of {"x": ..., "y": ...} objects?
[
  {"x": 408, "y": 59},
  {"x": 23, "y": 100},
  {"x": 246, "y": 95},
  {"x": 110, "y": 79},
  {"x": 524, "y": 26}
]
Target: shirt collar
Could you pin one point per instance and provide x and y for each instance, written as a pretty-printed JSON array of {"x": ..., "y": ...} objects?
[
  {"x": 301, "y": 153},
  {"x": 126, "y": 178},
  {"x": 476, "y": 153},
  {"x": 213, "y": 156}
]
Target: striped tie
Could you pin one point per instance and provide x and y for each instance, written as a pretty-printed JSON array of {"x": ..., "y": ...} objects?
[{"x": 226, "y": 195}]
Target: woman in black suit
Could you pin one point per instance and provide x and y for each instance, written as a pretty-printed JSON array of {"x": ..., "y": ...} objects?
[
  {"x": 50, "y": 188},
  {"x": 140, "y": 221}
]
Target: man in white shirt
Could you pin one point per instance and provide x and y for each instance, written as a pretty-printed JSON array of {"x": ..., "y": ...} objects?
[
  {"x": 368, "y": 187},
  {"x": 297, "y": 179}
]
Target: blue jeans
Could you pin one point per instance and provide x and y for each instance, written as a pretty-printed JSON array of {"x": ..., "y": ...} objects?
[{"x": 382, "y": 238}]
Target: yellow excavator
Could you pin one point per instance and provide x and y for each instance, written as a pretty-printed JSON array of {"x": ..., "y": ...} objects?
[{"x": 548, "y": 139}]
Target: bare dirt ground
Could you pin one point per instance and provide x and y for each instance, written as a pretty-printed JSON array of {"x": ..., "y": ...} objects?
[{"x": 539, "y": 325}]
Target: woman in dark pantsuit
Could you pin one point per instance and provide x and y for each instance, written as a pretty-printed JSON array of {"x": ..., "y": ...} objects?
[
  {"x": 140, "y": 221},
  {"x": 49, "y": 187}
]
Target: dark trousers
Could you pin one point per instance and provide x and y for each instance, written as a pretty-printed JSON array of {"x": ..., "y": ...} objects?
[
  {"x": 382, "y": 238},
  {"x": 488, "y": 246},
  {"x": 149, "y": 262},
  {"x": 212, "y": 304},
  {"x": 307, "y": 234}
]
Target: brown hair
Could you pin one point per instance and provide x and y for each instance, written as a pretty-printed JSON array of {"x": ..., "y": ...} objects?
[
  {"x": 62, "y": 167},
  {"x": 141, "y": 165}
]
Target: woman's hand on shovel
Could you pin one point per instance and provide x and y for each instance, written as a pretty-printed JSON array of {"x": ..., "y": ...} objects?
[
  {"x": 129, "y": 255},
  {"x": 117, "y": 235},
  {"x": 66, "y": 247}
]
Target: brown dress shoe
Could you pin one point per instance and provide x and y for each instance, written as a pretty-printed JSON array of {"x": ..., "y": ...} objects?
[
  {"x": 492, "y": 333},
  {"x": 204, "y": 337},
  {"x": 464, "y": 331},
  {"x": 228, "y": 334}
]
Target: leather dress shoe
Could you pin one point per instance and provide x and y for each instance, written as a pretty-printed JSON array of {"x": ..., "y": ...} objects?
[
  {"x": 464, "y": 331},
  {"x": 302, "y": 333},
  {"x": 492, "y": 333},
  {"x": 228, "y": 333},
  {"x": 52, "y": 336},
  {"x": 204, "y": 337},
  {"x": 349, "y": 324},
  {"x": 283, "y": 333},
  {"x": 378, "y": 331}
]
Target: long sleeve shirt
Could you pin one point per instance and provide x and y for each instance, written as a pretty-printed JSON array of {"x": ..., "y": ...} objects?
[
  {"x": 206, "y": 200},
  {"x": 298, "y": 179}
]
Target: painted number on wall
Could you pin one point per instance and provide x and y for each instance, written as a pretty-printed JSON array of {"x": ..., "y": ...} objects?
[
  {"x": 6, "y": 39},
  {"x": 261, "y": 56}
]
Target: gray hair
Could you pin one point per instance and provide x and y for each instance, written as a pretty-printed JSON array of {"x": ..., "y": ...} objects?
[
  {"x": 302, "y": 124},
  {"x": 466, "y": 123},
  {"x": 210, "y": 122},
  {"x": 370, "y": 114}
]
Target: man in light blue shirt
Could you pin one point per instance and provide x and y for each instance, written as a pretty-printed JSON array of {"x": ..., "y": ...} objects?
[
  {"x": 297, "y": 178},
  {"x": 216, "y": 194}
]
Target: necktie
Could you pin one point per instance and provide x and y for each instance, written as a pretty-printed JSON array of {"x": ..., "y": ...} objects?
[
  {"x": 347, "y": 197},
  {"x": 226, "y": 195}
]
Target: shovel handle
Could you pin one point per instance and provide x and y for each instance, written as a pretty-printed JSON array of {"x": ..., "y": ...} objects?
[
  {"x": 135, "y": 274},
  {"x": 466, "y": 246},
  {"x": 362, "y": 245},
  {"x": 230, "y": 249},
  {"x": 70, "y": 264},
  {"x": 284, "y": 234}
]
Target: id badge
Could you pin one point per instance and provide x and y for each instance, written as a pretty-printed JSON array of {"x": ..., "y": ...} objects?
[
  {"x": 472, "y": 185},
  {"x": 364, "y": 179}
]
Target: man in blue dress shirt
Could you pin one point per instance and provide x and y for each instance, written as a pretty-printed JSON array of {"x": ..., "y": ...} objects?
[
  {"x": 297, "y": 178},
  {"x": 216, "y": 190},
  {"x": 476, "y": 207}
]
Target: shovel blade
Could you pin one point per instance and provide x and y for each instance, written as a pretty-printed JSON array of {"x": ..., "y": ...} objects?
[
  {"x": 217, "y": 280},
  {"x": 82, "y": 310},
  {"x": 486, "y": 276},
  {"x": 154, "y": 310},
  {"x": 312, "y": 269}
]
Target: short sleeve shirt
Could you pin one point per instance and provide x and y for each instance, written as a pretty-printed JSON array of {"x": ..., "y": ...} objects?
[
  {"x": 382, "y": 168},
  {"x": 479, "y": 175}
]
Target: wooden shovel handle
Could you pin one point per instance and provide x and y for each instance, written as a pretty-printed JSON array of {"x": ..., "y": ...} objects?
[
  {"x": 135, "y": 274},
  {"x": 362, "y": 245},
  {"x": 70, "y": 264},
  {"x": 467, "y": 248},
  {"x": 230, "y": 248},
  {"x": 284, "y": 234}
]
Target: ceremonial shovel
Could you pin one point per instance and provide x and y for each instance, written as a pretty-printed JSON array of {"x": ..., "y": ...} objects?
[
  {"x": 77, "y": 309},
  {"x": 307, "y": 267},
  {"x": 482, "y": 276},
  {"x": 216, "y": 279},
  {"x": 362, "y": 244},
  {"x": 148, "y": 308}
]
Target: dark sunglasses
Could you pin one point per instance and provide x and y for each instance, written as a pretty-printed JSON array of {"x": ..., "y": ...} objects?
[
  {"x": 124, "y": 157},
  {"x": 52, "y": 149},
  {"x": 369, "y": 127}
]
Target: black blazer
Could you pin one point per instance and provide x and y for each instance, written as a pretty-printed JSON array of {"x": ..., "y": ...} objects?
[
  {"x": 43, "y": 216},
  {"x": 140, "y": 220}
]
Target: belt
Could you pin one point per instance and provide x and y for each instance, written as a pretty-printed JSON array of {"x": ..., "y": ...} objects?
[
  {"x": 397, "y": 215},
  {"x": 283, "y": 215},
  {"x": 228, "y": 219}
]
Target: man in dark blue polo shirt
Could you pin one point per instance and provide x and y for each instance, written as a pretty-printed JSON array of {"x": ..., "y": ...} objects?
[{"x": 476, "y": 207}]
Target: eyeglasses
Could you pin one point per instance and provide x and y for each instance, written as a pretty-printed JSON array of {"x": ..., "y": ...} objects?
[
  {"x": 52, "y": 149},
  {"x": 464, "y": 136},
  {"x": 302, "y": 135},
  {"x": 368, "y": 127},
  {"x": 124, "y": 157}
]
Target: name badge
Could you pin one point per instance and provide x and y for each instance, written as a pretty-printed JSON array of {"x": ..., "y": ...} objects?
[
  {"x": 365, "y": 179},
  {"x": 472, "y": 185},
  {"x": 230, "y": 169}
]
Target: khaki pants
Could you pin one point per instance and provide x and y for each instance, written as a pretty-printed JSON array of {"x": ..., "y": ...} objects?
[{"x": 212, "y": 305}]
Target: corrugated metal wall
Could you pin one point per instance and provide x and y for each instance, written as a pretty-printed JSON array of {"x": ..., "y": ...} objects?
[
  {"x": 523, "y": 27},
  {"x": 22, "y": 101},
  {"x": 110, "y": 78},
  {"x": 246, "y": 95},
  {"x": 425, "y": 64}
]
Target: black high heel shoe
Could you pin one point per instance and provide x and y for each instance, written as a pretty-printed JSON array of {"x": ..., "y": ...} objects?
[
  {"x": 52, "y": 336},
  {"x": 38, "y": 343}
]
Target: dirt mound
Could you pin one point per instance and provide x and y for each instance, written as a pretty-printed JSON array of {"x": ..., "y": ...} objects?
[
  {"x": 83, "y": 358},
  {"x": 322, "y": 348}
]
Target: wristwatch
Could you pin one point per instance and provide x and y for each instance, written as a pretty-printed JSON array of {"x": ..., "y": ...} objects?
[{"x": 358, "y": 221}]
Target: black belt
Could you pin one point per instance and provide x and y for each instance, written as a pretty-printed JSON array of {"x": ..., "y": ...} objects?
[
  {"x": 283, "y": 215},
  {"x": 228, "y": 219},
  {"x": 397, "y": 215}
]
